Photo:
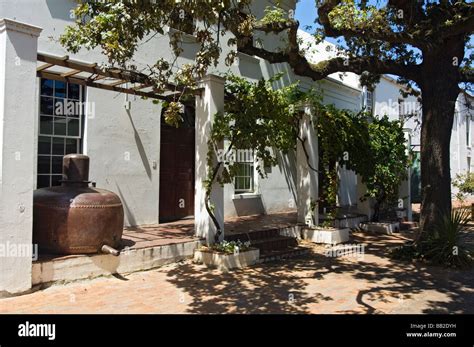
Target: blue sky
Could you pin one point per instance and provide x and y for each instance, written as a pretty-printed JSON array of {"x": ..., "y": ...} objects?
[{"x": 306, "y": 12}]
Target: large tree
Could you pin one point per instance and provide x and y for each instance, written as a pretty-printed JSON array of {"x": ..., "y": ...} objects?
[{"x": 422, "y": 42}]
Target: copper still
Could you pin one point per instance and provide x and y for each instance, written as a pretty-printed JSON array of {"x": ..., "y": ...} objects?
[{"x": 75, "y": 218}]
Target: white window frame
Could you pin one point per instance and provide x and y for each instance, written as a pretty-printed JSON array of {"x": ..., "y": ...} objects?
[
  {"x": 78, "y": 139},
  {"x": 253, "y": 175},
  {"x": 369, "y": 108}
]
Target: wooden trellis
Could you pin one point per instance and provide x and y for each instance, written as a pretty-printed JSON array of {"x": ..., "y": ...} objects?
[{"x": 90, "y": 74}]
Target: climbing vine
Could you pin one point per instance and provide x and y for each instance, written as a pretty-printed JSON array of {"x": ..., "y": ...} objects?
[
  {"x": 256, "y": 118},
  {"x": 266, "y": 121}
]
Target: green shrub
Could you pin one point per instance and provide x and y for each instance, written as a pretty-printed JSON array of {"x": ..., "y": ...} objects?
[
  {"x": 465, "y": 185},
  {"x": 446, "y": 245},
  {"x": 230, "y": 247}
]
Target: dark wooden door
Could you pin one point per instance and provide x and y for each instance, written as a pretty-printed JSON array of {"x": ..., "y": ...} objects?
[{"x": 177, "y": 171}]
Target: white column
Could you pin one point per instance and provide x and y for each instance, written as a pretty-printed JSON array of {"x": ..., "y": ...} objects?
[
  {"x": 18, "y": 121},
  {"x": 306, "y": 164},
  {"x": 405, "y": 188},
  {"x": 208, "y": 104}
]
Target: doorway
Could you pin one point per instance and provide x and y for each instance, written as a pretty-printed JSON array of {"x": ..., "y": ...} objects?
[{"x": 177, "y": 168}]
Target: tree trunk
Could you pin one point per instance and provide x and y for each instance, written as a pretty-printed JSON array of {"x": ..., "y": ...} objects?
[{"x": 439, "y": 94}]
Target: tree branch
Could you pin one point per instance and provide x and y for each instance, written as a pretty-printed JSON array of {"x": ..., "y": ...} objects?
[
  {"x": 302, "y": 67},
  {"x": 464, "y": 26},
  {"x": 387, "y": 36}
]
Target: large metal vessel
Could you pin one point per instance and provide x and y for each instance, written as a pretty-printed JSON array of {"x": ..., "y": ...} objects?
[{"x": 75, "y": 218}]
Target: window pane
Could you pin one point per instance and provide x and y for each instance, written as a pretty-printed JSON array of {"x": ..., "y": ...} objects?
[
  {"x": 47, "y": 105},
  {"x": 44, "y": 145},
  {"x": 74, "y": 108},
  {"x": 59, "y": 126},
  {"x": 240, "y": 169},
  {"x": 57, "y": 164},
  {"x": 43, "y": 164},
  {"x": 46, "y": 125},
  {"x": 73, "y": 127},
  {"x": 59, "y": 89},
  {"x": 42, "y": 181},
  {"x": 73, "y": 91},
  {"x": 55, "y": 180},
  {"x": 58, "y": 145},
  {"x": 71, "y": 146},
  {"x": 46, "y": 87},
  {"x": 60, "y": 107}
]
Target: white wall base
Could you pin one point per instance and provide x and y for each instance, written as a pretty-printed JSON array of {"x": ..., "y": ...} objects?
[
  {"x": 382, "y": 228},
  {"x": 226, "y": 262},
  {"x": 329, "y": 236},
  {"x": 72, "y": 268}
]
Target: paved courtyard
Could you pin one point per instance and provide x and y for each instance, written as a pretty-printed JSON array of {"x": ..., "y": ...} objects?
[{"x": 313, "y": 283}]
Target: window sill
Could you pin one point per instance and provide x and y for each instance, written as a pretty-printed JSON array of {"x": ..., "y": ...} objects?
[{"x": 245, "y": 196}]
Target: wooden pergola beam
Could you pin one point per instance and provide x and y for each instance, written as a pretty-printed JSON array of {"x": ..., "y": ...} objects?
[
  {"x": 70, "y": 73},
  {"x": 86, "y": 82},
  {"x": 120, "y": 77},
  {"x": 44, "y": 67}
]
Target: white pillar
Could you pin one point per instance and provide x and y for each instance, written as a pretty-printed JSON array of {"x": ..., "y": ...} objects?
[
  {"x": 18, "y": 121},
  {"x": 306, "y": 164},
  {"x": 208, "y": 104},
  {"x": 404, "y": 192}
]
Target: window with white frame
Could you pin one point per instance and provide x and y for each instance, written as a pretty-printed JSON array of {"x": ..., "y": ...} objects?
[
  {"x": 244, "y": 180},
  {"x": 60, "y": 128}
]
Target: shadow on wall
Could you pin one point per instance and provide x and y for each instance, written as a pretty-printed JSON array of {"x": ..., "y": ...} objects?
[
  {"x": 129, "y": 215},
  {"x": 249, "y": 206},
  {"x": 287, "y": 165},
  {"x": 140, "y": 147},
  {"x": 249, "y": 67},
  {"x": 61, "y": 9}
]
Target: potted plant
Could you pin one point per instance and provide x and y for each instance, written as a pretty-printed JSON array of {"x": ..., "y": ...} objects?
[{"x": 227, "y": 255}]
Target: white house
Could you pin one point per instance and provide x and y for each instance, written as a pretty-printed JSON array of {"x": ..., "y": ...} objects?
[
  {"x": 386, "y": 99},
  {"x": 131, "y": 150}
]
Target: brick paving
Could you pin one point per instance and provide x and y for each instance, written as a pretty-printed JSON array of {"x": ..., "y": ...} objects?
[{"x": 313, "y": 283}]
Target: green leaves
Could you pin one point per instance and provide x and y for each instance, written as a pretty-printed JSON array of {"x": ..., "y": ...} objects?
[
  {"x": 256, "y": 118},
  {"x": 465, "y": 185},
  {"x": 372, "y": 147},
  {"x": 118, "y": 28}
]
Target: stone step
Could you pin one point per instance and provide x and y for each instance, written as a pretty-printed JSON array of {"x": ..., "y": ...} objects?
[
  {"x": 271, "y": 244},
  {"x": 253, "y": 235},
  {"x": 274, "y": 243}
]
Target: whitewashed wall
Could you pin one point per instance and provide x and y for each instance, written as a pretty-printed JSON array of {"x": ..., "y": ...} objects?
[
  {"x": 461, "y": 142},
  {"x": 123, "y": 145}
]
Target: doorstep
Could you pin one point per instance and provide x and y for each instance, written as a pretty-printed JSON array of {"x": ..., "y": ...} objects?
[{"x": 149, "y": 248}]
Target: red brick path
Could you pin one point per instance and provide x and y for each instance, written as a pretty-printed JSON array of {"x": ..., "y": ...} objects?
[{"x": 310, "y": 284}]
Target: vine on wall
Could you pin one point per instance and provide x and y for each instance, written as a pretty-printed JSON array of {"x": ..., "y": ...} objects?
[{"x": 256, "y": 117}]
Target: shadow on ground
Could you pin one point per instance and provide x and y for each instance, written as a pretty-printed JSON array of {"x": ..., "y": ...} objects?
[
  {"x": 266, "y": 288},
  {"x": 271, "y": 288}
]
